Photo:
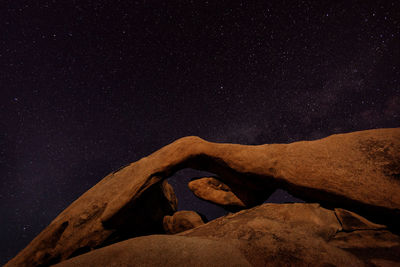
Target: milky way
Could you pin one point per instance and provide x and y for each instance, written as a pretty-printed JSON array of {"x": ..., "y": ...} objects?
[{"x": 88, "y": 86}]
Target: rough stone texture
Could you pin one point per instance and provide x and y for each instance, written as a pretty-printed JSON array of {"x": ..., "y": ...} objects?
[
  {"x": 78, "y": 229},
  {"x": 267, "y": 235},
  {"x": 358, "y": 171},
  {"x": 181, "y": 221},
  {"x": 215, "y": 191},
  {"x": 162, "y": 250},
  {"x": 300, "y": 235}
]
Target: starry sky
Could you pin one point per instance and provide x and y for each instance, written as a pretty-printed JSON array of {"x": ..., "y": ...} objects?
[{"x": 88, "y": 86}]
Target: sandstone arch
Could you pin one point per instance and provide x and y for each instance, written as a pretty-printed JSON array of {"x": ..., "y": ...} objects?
[{"x": 358, "y": 171}]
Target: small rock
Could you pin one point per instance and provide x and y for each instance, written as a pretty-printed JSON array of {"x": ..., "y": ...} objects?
[
  {"x": 181, "y": 221},
  {"x": 351, "y": 221}
]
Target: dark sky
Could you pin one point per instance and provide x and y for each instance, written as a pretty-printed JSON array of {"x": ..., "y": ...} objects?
[{"x": 88, "y": 86}]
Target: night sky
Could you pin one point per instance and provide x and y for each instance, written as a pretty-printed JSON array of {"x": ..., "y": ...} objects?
[{"x": 89, "y": 86}]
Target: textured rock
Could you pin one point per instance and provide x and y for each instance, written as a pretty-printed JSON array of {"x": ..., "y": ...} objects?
[
  {"x": 358, "y": 171},
  {"x": 215, "y": 191},
  {"x": 78, "y": 229},
  {"x": 181, "y": 221},
  {"x": 300, "y": 235},
  {"x": 267, "y": 235},
  {"x": 162, "y": 250}
]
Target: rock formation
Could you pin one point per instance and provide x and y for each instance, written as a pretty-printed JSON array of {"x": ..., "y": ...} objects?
[
  {"x": 215, "y": 191},
  {"x": 162, "y": 250},
  {"x": 267, "y": 235},
  {"x": 182, "y": 221},
  {"x": 78, "y": 228},
  {"x": 357, "y": 171}
]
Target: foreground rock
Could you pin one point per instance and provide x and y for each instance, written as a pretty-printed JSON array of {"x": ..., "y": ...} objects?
[
  {"x": 182, "y": 221},
  {"x": 215, "y": 191},
  {"x": 303, "y": 235},
  {"x": 78, "y": 229},
  {"x": 358, "y": 171},
  {"x": 268, "y": 235},
  {"x": 162, "y": 250}
]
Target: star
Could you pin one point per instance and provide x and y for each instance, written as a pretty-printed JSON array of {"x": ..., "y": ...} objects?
[{"x": 90, "y": 88}]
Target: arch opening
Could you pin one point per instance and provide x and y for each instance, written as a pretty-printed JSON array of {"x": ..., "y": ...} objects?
[{"x": 187, "y": 200}]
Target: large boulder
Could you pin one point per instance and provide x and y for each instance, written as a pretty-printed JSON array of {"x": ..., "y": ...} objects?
[
  {"x": 215, "y": 191},
  {"x": 268, "y": 235},
  {"x": 359, "y": 171},
  {"x": 181, "y": 221}
]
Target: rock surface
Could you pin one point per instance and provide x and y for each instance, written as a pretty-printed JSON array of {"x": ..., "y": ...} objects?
[
  {"x": 78, "y": 229},
  {"x": 181, "y": 221},
  {"x": 301, "y": 235},
  {"x": 267, "y": 235},
  {"x": 358, "y": 171},
  {"x": 162, "y": 250},
  {"x": 215, "y": 191}
]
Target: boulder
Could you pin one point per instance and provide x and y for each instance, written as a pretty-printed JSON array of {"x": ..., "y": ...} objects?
[
  {"x": 351, "y": 221},
  {"x": 215, "y": 191},
  {"x": 181, "y": 221},
  {"x": 268, "y": 235},
  {"x": 359, "y": 171}
]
